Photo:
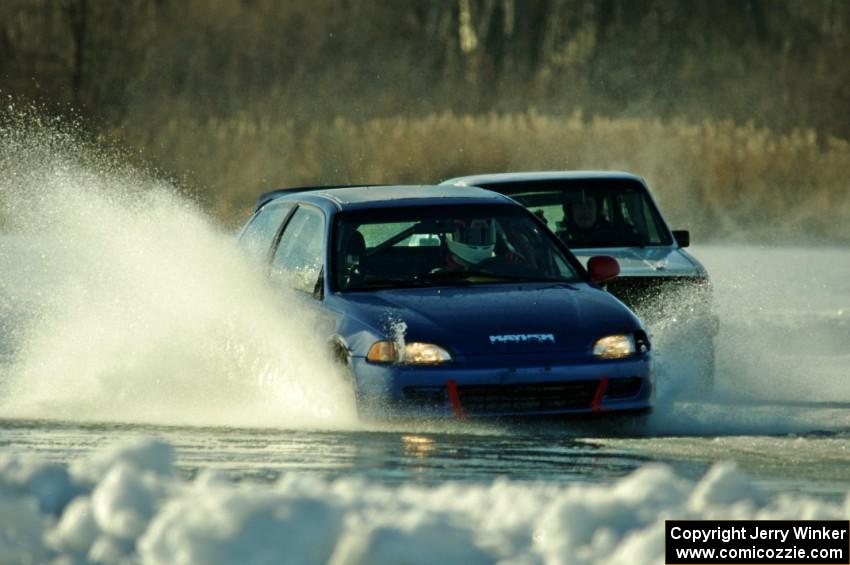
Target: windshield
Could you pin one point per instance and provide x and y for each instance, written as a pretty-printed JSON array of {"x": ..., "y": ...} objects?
[
  {"x": 598, "y": 213},
  {"x": 444, "y": 245}
]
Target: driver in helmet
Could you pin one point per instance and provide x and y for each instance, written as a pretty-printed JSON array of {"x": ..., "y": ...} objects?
[{"x": 471, "y": 242}]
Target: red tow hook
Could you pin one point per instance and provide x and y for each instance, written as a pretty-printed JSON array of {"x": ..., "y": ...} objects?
[
  {"x": 596, "y": 404},
  {"x": 454, "y": 397}
]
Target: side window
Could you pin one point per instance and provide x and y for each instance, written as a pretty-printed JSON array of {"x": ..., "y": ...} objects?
[
  {"x": 297, "y": 263},
  {"x": 257, "y": 238}
]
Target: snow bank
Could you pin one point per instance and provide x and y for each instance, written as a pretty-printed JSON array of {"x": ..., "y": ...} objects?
[{"x": 126, "y": 505}]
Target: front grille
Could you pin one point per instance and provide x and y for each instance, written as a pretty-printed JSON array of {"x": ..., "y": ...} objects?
[
  {"x": 623, "y": 388},
  {"x": 426, "y": 395},
  {"x": 519, "y": 398},
  {"x": 527, "y": 397}
]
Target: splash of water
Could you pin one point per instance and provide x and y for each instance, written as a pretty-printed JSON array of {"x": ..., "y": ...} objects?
[
  {"x": 128, "y": 304},
  {"x": 782, "y": 349}
]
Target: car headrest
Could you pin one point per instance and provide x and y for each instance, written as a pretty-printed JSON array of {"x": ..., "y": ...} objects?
[{"x": 356, "y": 244}]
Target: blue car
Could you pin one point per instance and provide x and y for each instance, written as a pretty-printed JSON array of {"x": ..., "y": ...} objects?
[{"x": 452, "y": 301}]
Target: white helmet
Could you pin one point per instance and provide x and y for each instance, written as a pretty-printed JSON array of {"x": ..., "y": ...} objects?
[{"x": 473, "y": 240}]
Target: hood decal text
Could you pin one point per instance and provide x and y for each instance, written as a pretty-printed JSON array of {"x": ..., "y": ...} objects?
[{"x": 522, "y": 338}]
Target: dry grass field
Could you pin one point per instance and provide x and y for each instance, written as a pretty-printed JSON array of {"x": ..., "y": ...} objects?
[{"x": 721, "y": 179}]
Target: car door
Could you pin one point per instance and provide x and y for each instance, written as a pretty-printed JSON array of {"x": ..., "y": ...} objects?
[
  {"x": 260, "y": 234},
  {"x": 298, "y": 263}
]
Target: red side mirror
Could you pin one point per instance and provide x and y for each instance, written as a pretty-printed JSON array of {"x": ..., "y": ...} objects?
[{"x": 602, "y": 268}]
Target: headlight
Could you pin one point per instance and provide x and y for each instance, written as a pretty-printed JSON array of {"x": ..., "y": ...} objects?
[
  {"x": 614, "y": 347},
  {"x": 414, "y": 353}
]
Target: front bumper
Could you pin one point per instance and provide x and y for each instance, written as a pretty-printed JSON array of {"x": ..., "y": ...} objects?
[{"x": 591, "y": 387}]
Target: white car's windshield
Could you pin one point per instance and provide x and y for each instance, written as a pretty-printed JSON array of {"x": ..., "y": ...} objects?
[
  {"x": 599, "y": 213},
  {"x": 445, "y": 245}
]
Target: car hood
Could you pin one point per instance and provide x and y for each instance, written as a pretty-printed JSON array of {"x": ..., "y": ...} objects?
[
  {"x": 647, "y": 261},
  {"x": 495, "y": 319}
]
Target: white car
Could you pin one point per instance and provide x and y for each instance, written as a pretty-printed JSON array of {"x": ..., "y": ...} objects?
[{"x": 613, "y": 213}]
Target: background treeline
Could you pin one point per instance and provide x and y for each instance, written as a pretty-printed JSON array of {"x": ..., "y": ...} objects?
[{"x": 738, "y": 111}]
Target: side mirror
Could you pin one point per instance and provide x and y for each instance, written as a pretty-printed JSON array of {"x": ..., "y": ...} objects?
[
  {"x": 602, "y": 268},
  {"x": 683, "y": 237}
]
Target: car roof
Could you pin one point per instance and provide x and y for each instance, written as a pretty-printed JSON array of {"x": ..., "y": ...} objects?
[
  {"x": 386, "y": 196},
  {"x": 532, "y": 176}
]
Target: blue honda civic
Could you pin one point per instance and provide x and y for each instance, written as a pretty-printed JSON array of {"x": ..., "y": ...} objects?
[{"x": 452, "y": 301}]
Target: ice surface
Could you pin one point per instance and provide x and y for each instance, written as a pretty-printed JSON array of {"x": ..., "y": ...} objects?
[{"x": 127, "y": 505}]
